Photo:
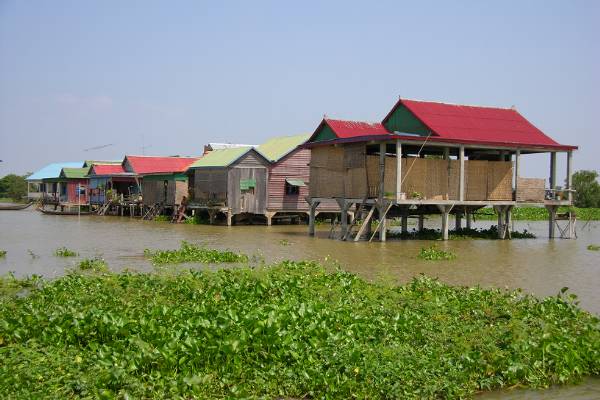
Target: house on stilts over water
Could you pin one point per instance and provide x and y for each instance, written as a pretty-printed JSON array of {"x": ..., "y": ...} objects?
[
  {"x": 433, "y": 158},
  {"x": 44, "y": 184}
]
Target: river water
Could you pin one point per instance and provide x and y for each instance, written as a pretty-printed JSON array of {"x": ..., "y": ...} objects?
[{"x": 539, "y": 266}]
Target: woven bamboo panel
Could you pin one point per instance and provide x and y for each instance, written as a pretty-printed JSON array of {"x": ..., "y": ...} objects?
[
  {"x": 414, "y": 177},
  {"x": 531, "y": 189},
  {"x": 354, "y": 155},
  {"x": 327, "y": 172},
  {"x": 437, "y": 179},
  {"x": 453, "y": 179},
  {"x": 476, "y": 180},
  {"x": 356, "y": 183},
  {"x": 500, "y": 175}
]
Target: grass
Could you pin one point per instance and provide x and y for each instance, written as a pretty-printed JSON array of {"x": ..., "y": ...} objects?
[
  {"x": 432, "y": 253},
  {"x": 461, "y": 234},
  {"x": 539, "y": 214},
  {"x": 593, "y": 247},
  {"x": 287, "y": 331},
  {"x": 64, "y": 252},
  {"x": 3, "y": 253},
  {"x": 189, "y": 252}
]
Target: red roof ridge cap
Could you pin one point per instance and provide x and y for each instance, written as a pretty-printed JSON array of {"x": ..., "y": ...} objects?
[{"x": 513, "y": 108}]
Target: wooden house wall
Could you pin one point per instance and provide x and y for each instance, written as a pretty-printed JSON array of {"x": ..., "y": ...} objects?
[
  {"x": 210, "y": 186},
  {"x": 72, "y": 196},
  {"x": 295, "y": 166},
  {"x": 251, "y": 166},
  {"x": 168, "y": 191}
]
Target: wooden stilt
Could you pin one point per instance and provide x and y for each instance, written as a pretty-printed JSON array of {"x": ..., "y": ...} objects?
[
  {"x": 458, "y": 221},
  {"x": 421, "y": 222},
  {"x": 311, "y": 217},
  {"x": 551, "y": 221},
  {"x": 404, "y": 223}
]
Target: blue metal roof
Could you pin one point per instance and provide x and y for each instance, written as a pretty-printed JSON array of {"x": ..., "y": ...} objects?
[{"x": 53, "y": 170}]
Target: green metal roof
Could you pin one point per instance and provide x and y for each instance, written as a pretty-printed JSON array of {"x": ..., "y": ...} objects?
[
  {"x": 276, "y": 148},
  {"x": 221, "y": 157},
  {"x": 74, "y": 173}
]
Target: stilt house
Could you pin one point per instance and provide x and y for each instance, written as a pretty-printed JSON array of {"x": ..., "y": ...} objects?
[
  {"x": 111, "y": 179},
  {"x": 428, "y": 157},
  {"x": 162, "y": 179},
  {"x": 230, "y": 181},
  {"x": 44, "y": 182},
  {"x": 74, "y": 186}
]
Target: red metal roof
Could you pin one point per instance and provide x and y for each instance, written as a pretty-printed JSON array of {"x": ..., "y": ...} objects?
[
  {"x": 347, "y": 129},
  {"x": 479, "y": 125},
  {"x": 107, "y": 169},
  {"x": 157, "y": 165}
]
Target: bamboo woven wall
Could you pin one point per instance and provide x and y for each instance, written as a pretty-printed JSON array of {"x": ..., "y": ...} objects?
[
  {"x": 340, "y": 172},
  {"x": 531, "y": 189}
]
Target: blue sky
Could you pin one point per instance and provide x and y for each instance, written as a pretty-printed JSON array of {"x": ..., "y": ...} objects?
[{"x": 172, "y": 76}]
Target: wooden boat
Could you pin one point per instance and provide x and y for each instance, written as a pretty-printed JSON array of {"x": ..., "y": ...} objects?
[
  {"x": 14, "y": 206},
  {"x": 59, "y": 212}
]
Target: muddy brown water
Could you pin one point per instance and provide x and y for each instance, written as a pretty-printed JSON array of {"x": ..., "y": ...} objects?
[{"x": 539, "y": 266}]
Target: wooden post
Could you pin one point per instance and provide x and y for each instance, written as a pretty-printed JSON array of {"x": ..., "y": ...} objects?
[
  {"x": 461, "y": 182},
  {"x": 508, "y": 222},
  {"x": 344, "y": 218},
  {"x": 381, "y": 206},
  {"x": 458, "y": 221},
  {"x": 311, "y": 217},
  {"x": 570, "y": 175},
  {"x": 551, "y": 220},
  {"x": 553, "y": 170},
  {"x": 398, "y": 169},
  {"x": 421, "y": 222},
  {"x": 469, "y": 219},
  {"x": 404, "y": 223},
  {"x": 516, "y": 185}
]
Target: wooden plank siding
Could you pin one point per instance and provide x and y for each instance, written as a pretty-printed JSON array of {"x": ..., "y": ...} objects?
[
  {"x": 292, "y": 166},
  {"x": 72, "y": 185},
  {"x": 250, "y": 166}
]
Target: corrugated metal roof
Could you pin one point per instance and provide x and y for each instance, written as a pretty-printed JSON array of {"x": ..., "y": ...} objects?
[
  {"x": 53, "y": 170},
  {"x": 74, "y": 173},
  {"x": 107, "y": 170},
  {"x": 276, "y": 148},
  {"x": 346, "y": 129},
  {"x": 156, "y": 165},
  {"x": 221, "y": 157},
  {"x": 89, "y": 163},
  {"x": 476, "y": 124}
]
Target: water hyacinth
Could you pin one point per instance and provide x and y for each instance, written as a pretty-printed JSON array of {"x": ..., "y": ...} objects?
[
  {"x": 189, "y": 252},
  {"x": 64, "y": 252},
  {"x": 432, "y": 253},
  {"x": 288, "y": 331},
  {"x": 2, "y": 253}
]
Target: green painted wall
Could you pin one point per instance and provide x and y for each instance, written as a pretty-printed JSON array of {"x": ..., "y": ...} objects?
[
  {"x": 324, "y": 133},
  {"x": 402, "y": 120}
]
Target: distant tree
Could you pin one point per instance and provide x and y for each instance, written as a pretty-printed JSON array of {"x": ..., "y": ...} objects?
[
  {"x": 13, "y": 186},
  {"x": 587, "y": 189}
]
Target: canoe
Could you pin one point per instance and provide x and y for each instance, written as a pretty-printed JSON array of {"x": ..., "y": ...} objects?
[
  {"x": 58, "y": 212},
  {"x": 14, "y": 206}
]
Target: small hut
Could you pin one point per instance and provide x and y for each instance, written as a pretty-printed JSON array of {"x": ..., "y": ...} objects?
[
  {"x": 229, "y": 181},
  {"x": 74, "y": 186},
  {"x": 43, "y": 184},
  {"x": 110, "y": 178},
  {"x": 163, "y": 180}
]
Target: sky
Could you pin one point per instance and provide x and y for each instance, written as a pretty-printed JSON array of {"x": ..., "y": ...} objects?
[{"x": 167, "y": 77}]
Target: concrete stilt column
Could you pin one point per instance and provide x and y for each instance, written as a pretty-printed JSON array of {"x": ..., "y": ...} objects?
[
  {"x": 508, "y": 222},
  {"x": 229, "y": 218},
  {"x": 421, "y": 222},
  {"x": 445, "y": 210},
  {"x": 344, "y": 219},
  {"x": 269, "y": 216},
  {"x": 500, "y": 212},
  {"x": 383, "y": 223}
]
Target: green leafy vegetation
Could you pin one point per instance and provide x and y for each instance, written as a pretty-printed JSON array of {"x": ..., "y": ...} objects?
[
  {"x": 432, "y": 253},
  {"x": 539, "y": 214},
  {"x": 2, "y": 253},
  {"x": 288, "y": 331},
  {"x": 13, "y": 187},
  {"x": 96, "y": 264},
  {"x": 64, "y": 252},
  {"x": 593, "y": 247},
  {"x": 162, "y": 218},
  {"x": 462, "y": 234},
  {"x": 587, "y": 189},
  {"x": 189, "y": 252}
]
